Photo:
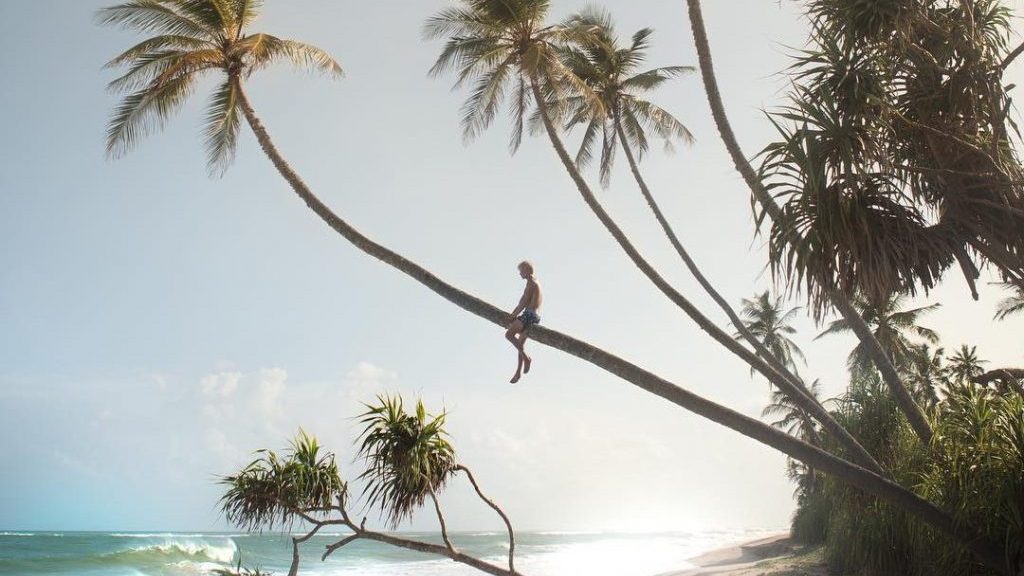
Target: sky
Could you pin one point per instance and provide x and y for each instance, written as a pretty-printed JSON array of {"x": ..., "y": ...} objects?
[{"x": 157, "y": 326}]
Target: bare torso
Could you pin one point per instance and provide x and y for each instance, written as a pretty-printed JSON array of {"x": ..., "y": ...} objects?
[{"x": 532, "y": 295}]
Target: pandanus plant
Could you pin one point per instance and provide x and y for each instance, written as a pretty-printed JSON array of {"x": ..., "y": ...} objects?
[{"x": 408, "y": 459}]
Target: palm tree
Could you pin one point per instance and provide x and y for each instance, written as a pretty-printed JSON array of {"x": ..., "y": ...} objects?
[
  {"x": 193, "y": 39},
  {"x": 505, "y": 46},
  {"x": 768, "y": 320},
  {"x": 965, "y": 366},
  {"x": 794, "y": 420},
  {"x": 891, "y": 326},
  {"x": 927, "y": 373},
  {"x": 611, "y": 73},
  {"x": 791, "y": 418},
  {"x": 1012, "y": 304},
  {"x": 769, "y": 208},
  {"x": 408, "y": 459},
  {"x": 301, "y": 485}
]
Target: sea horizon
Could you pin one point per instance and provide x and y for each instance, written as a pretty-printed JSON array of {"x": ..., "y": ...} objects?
[{"x": 180, "y": 553}]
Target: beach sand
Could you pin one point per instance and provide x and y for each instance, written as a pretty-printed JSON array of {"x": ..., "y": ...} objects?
[{"x": 773, "y": 556}]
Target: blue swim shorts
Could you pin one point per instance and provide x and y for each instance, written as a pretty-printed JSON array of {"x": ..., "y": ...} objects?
[{"x": 529, "y": 318}]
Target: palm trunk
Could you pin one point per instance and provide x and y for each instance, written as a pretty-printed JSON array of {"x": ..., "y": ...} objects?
[
  {"x": 752, "y": 359},
  {"x": 840, "y": 301},
  {"x": 440, "y": 520},
  {"x": 504, "y": 517},
  {"x": 750, "y": 427},
  {"x": 796, "y": 391}
]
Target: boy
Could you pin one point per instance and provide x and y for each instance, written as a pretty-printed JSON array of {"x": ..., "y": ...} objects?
[{"x": 524, "y": 316}]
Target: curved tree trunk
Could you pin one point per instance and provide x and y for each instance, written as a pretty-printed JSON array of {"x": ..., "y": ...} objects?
[
  {"x": 440, "y": 520},
  {"x": 504, "y": 517},
  {"x": 754, "y": 360},
  {"x": 857, "y": 476},
  {"x": 797, "y": 392},
  {"x": 841, "y": 302}
]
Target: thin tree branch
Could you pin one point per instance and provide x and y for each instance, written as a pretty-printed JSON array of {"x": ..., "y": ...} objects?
[{"x": 504, "y": 517}]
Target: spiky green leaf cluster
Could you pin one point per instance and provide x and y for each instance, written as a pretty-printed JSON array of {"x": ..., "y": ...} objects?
[
  {"x": 771, "y": 323},
  {"x": 274, "y": 490},
  {"x": 499, "y": 48},
  {"x": 408, "y": 457},
  {"x": 192, "y": 38},
  {"x": 612, "y": 75},
  {"x": 896, "y": 157},
  {"x": 895, "y": 329}
]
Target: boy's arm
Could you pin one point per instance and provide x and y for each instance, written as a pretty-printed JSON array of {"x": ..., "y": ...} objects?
[{"x": 523, "y": 301}]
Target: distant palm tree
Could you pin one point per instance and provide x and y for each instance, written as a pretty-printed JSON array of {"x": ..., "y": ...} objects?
[
  {"x": 795, "y": 421},
  {"x": 791, "y": 418},
  {"x": 965, "y": 366},
  {"x": 769, "y": 321},
  {"x": 1012, "y": 304},
  {"x": 893, "y": 327},
  {"x": 408, "y": 458},
  {"x": 926, "y": 373}
]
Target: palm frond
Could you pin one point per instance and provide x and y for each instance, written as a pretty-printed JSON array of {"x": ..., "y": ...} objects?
[
  {"x": 154, "y": 16},
  {"x": 223, "y": 120}
]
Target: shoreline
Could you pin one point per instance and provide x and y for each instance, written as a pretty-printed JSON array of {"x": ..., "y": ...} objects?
[{"x": 776, "y": 555}]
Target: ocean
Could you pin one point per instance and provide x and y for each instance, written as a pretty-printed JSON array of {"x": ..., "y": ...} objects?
[{"x": 195, "y": 554}]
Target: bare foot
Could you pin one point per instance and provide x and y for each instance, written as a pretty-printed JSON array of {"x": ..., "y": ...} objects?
[
  {"x": 526, "y": 364},
  {"x": 514, "y": 378}
]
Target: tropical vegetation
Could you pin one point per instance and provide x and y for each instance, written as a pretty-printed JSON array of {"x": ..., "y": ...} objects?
[
  {"x": 407, "y": 458},
  {"x": 896, "y": 160}
]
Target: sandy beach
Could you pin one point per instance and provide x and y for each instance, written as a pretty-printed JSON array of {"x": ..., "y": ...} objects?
[{"x": 775, "y": 555}]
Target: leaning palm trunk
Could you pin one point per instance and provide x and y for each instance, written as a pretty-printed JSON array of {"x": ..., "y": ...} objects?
[
  {"x": 796, "y": 389},
  {"x": 899, "y": 391},
  {"x": 987, "y": 552},
  {"x": 756, "y": 361},
  {"x": 750, "y": 427}
]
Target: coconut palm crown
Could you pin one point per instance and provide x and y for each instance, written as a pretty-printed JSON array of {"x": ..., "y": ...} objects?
[
  {"x": 893, "y": 327},
  {"x": 612, "y": 73},
  {"x": 769, "y": 321},
  {"x": 502, "y": 47},
  {"x": 408, "y": 457},
  {"x": 191, "y": 38},
  {"x": 1012, "y": 304}
]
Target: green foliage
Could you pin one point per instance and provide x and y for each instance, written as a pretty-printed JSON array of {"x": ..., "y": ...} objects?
[
  {"x": 974, "y": 468},
  {"x": 896, "y": 156},
  {"x": 193, "y": 38},
  {"x": 893, "y": 327},
  {"x": 612, "y": 76},
  {"x": 408, "y": 457},
  {"x": 1012, "y": 304},
  {"x": 501, "y": 47},
  {"x": 274, "y": 490},
  {"x": 769, "y": 321}
]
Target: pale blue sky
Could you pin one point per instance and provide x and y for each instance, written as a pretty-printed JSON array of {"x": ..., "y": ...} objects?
[{"x": 156, "y": 325}]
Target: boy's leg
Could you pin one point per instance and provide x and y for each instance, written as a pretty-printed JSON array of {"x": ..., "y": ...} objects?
[
  {"x": 514, "y": 335},
  {"x": 523, "y": 356}
]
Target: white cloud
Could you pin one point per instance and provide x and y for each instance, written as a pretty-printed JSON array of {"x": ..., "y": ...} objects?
[{"x": 222, "y": 384}]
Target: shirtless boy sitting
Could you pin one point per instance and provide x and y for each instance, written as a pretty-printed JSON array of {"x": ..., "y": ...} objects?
[{"x": 524, "y": 316}]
